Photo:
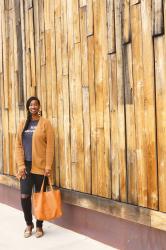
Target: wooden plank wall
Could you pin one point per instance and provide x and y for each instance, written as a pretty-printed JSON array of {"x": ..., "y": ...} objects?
[{"x": 98, "y": 67}]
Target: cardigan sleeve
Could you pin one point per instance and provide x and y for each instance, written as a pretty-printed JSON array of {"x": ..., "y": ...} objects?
[
  {"x": 50, "y": 145},
  {"x": 19, "y": 151}
]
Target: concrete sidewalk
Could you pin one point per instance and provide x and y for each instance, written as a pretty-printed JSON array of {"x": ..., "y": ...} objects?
[{"x": 11, "y": 235}]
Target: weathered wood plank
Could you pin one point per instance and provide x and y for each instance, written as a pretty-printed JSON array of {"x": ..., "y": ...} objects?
[
  {"x": 60, "y": 102},
  {"x": 121, "y": 210},
  {"x": 113, "y": 126},
  {"x": 130, "y": 125},
  {"x": 78, "y": 172},
  {"x": 86, "y": 122},
  {"x": 32, "y": 47},
  {"x": 157, "y": 17},
  {"x": 106, "y": 110},
  {"x": 160, "y": 77},
  {"x": 37, "y": 47},
  {"x": 5, "y": 39},
  {"x": 138, "y": 82},
  {"x": 84, "y": 53},
  {"x": 89, "y": 17},
  {"x": 48, "y": 73},
  {"x": 64, "y": 30},
  {"x": 43, "y": 90},
  {"x": 102, "y": 188},
  {"x": 126, "y": 28},
  {"x": 71, "y": 85},
  {"x": 42, "y": 34},
  {"x": 111, "y": 26},
  {"x": 29, "y": 4},
  {"x": 158, "y": 220},
  {"x": 76, "y": 21},
  {"x": 67, "y": 175},
  {"x": 22, "y": 16},
  {"x": 98, "y": 63},
  {"x": 149, "y": 105},
  {"x": 46, "y": 20},
  {"x": 120, "y": 114},
  {"x": 92, "y": 103},
  {"x": 19, "y": 52},
  {"x": 9, "y": 181}
]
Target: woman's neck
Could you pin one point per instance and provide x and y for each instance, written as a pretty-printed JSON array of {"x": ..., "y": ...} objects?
[{"x": 35, "y": 117}]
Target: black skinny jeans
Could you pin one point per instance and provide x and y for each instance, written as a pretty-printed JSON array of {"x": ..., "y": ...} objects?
[{"x": 26, "y": 185}]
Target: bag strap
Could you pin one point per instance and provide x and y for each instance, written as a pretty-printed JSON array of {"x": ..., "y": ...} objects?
[{"x": 49, "y": 183}]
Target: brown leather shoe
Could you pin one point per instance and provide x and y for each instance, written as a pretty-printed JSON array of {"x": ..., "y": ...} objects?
[
  {"x": 28, "y": 231},
  {"x": 39, "y": 232}
]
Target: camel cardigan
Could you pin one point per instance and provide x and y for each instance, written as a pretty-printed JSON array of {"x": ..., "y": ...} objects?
[{"x": 42, "y": 147}]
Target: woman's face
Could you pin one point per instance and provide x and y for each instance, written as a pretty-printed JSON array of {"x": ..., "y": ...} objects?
[{"x": 34, "y": 107}]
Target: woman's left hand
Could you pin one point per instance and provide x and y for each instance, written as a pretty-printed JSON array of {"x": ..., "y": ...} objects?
[{"x": 47, "y": 172}]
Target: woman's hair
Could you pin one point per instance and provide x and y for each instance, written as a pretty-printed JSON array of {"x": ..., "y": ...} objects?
[{"x": 28, "y": 112}]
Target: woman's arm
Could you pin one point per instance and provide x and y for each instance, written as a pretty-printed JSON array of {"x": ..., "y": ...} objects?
[{"x": 19, "y": 151}]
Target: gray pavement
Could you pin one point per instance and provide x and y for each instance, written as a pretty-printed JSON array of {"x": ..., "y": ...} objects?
[{"x": 11, "y": 235}]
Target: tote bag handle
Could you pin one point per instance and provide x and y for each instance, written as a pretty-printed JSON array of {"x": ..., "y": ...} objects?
[{"x": 49, "y": 183}]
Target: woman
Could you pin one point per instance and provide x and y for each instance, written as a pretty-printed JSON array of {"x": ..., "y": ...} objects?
[{"x": 34, "y": 158}]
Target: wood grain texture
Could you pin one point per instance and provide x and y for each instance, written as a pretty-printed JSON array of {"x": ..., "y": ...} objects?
[
  {"x": 138, "y": 80},
  {"x": 161, "y": 121},
  {"x": 98, "y": 68}
]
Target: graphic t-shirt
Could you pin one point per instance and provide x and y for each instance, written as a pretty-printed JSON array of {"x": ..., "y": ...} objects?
[{"x": 27, "y": 139}]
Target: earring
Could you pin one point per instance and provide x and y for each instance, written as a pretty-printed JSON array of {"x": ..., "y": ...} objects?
[{"x": 40, "y": 112}]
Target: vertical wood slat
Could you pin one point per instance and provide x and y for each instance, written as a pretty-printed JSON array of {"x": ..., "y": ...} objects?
[
  {"x": 79, "y": 169},
  {"x": 121, "y": 114},
  {"x": 32, "y": 47},
  {"x": 48, "y": 75},
  {"x": 86, "y": 132},
  {"x": 158, "y": 17},
  {"x": 160, "y": 64},
  {"x": 126, "y": 29},
  {"x": 76, "y": 22},
  {"x": 19, "y": 52},
  {"x": 149, "y": 105},
  {"x": 130, "y": 125},
  {"x": 27, "y": 52},
  {"x": 64, "y": 31},
  {"x": 139, "y": 103},
  {"x": 47, "y": 16},
  {"x": 67, "y": 147},
  {"x": 113, "y": 126},
  {"x": 22, "y": 16},
  {"x": 5, "y": 38},
  {"x": 60, "y": 100},
  {"x": 42, "y": 58},
  {"x": 54, "y": 101},
  {"x": 71, "y": 89},
  {"x": 90, "y": 17},
  {"x": 92, "y": 103},
  {"x": 37, "y": 47},
  {"x": 84, "y": 55},
  {"x": 106, "y": 110},
  {"x": 98, "y": 63},
  {"x": 111, "y": 26}
]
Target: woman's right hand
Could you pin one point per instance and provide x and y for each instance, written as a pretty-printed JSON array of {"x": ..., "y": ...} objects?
[{"x": 21, "y": 174}]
